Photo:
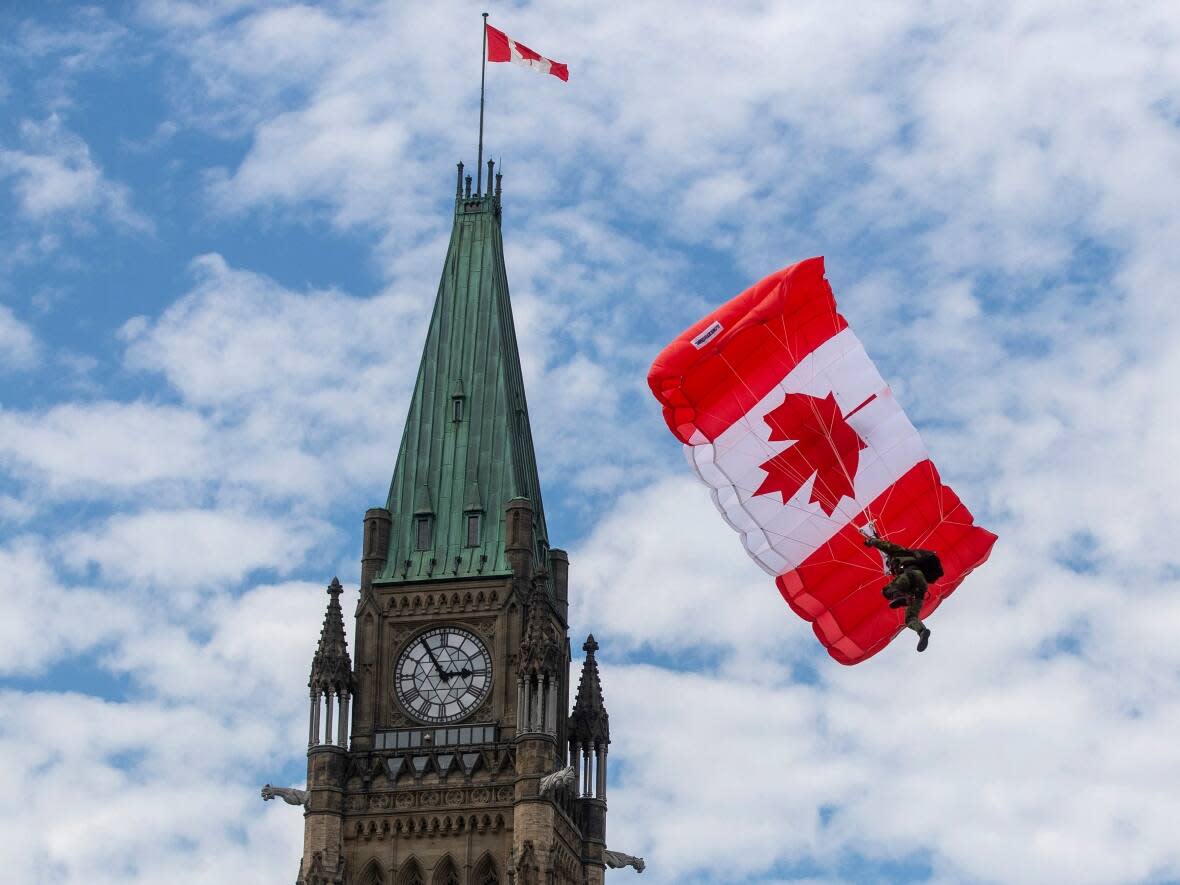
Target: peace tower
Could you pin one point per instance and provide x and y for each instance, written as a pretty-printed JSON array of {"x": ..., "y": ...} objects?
[{"x": 445, "y": 753}]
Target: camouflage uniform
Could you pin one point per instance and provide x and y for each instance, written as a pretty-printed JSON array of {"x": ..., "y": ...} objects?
[{"x": 908, "y": 586}]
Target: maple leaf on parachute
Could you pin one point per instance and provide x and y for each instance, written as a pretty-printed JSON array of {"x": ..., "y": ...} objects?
[{"x": 825, "y": 446}]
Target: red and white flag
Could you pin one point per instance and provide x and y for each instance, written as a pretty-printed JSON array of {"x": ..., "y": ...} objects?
[
  {"x": 785, "y": 417},
  {"x": 501, "y": 47}
]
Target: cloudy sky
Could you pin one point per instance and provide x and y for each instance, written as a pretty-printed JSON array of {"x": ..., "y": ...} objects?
[{"x": 221, "y": 229}]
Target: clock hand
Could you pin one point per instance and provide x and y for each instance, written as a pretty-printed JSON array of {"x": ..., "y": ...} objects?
[{"x": 437, "y": 666}]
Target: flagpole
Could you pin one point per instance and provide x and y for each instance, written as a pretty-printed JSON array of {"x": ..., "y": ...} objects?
[{"x": 482, "y": 73}]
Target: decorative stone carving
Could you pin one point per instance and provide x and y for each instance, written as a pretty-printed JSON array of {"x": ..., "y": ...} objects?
[
  {"x": 525, "y": 865},
  {"x": 563, "y": 778},
  {"x": 318, "y": 872},
  {"x": 287, "y": 794},
  {"x": 540, "y": 648},
  {"x": 616, "y": 860},
  {"x": 399, "y": 634}
]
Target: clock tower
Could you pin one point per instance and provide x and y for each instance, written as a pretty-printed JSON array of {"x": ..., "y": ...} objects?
[{"x": 445, "y": 751}]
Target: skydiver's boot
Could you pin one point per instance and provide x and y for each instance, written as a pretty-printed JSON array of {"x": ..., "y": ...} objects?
[{"x": 923, "y": 638}]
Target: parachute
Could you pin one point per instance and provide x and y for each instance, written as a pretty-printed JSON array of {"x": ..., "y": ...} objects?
[{"x": 784, "y": 416}]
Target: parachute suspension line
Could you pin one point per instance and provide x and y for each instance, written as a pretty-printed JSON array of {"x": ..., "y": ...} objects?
[{"x": 736, "y": 374}]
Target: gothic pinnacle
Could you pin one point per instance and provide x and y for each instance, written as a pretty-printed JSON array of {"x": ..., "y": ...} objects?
[
  {"x": 589, "y": 721},
  {"x": 539, "y": 649},
  {"x": 331, "y": 668}
]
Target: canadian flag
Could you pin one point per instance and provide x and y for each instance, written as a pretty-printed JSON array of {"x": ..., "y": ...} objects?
[
  {"x": 501, "y": 47},
  {"x": 786, "y": 418}
]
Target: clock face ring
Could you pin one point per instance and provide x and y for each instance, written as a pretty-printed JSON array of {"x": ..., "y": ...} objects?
[{"x": 443, "y": 674}]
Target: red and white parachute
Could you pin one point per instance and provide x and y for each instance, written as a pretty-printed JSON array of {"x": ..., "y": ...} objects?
[{"x": 786, "y": 418}]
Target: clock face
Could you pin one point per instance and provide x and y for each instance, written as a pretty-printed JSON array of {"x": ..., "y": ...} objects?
[{"x": 443, "y": 674}]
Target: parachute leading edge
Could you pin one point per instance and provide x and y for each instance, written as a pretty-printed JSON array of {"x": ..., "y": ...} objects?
[{"x": 786, "y": 418}]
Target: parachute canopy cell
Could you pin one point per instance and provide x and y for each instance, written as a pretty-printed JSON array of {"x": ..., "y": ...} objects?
[{"x": 784, "y": 416}]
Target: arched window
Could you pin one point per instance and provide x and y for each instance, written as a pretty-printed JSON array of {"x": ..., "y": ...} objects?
[
  {"x": 371, "y": 874},
  {"x": 411, "y": 874},
  {"x": 446, "y": 873},
  {"x": 485, "y": 872}
]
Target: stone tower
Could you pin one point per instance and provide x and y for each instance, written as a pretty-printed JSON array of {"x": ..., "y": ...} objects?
[{"x": 444, "y": 753}]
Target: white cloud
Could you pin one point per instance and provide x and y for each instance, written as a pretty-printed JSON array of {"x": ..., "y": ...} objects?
[
  {"x": 294, "y": 380},
  {"x": 111, "y": 788},
  {"x": 69, "y": 620},
  {"x": 661, "y": 570},
  {"x": 14, "y": 509},
  {"x": 913, "y": 759},
  {"x": 335, "y": 167},
  {"x": 86, "y": 40},
  {"x": 236, "y": 656},
  {"x": 133, "y": 791},
  {"x": 19, "y": 347},
  {"x": 88, "y": 450},
  {"x": 238, "y": 338},
  {"x": 267, "y": 379},
  {"x": 190, "y": 548},
  {"x": 56, "y": 178}
]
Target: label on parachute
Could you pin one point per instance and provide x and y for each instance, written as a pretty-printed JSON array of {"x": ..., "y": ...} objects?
[
  {"x": 708, "y": 335},
  {"x": 806, "y": 451}
]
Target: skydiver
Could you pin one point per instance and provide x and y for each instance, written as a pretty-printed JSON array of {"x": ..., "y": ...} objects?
[{"x": 912, "y": 571}]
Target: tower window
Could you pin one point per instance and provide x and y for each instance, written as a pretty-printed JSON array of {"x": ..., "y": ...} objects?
[
  {"x": 473, "y": 529},
  {"x": 457, "y": 408},
  {"x": 422, "y": 532}
]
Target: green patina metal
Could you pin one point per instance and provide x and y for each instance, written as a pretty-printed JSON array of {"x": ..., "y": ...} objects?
[{"x": 467, "y": 448}]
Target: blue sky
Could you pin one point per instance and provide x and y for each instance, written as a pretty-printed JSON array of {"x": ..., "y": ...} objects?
[{"x": 221, "y": 229}]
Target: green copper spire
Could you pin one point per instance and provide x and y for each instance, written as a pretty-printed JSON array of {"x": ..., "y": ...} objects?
[{"x": 467, "y": 448}]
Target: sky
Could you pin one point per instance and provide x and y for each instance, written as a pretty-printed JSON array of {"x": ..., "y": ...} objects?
[{"x": 222, "y": 226}]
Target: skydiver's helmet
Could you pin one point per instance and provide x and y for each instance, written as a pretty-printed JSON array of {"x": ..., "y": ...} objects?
[{"x": 929, "y": 564}]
